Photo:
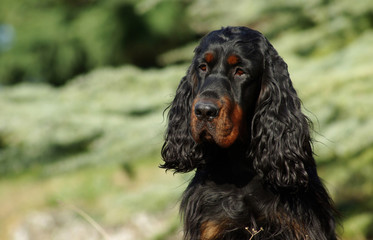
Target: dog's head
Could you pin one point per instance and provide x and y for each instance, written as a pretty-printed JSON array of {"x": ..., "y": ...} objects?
[
  {"x": 227, "y": 66},
  {"x": 238, "y": 89}
]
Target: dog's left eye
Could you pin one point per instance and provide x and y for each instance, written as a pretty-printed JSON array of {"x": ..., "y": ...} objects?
[
  {"x": 239, "y": 72},
  {"x": 203, "y": 67}
]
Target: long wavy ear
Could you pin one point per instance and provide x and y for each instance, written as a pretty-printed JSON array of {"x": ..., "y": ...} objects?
[
  {"x": 281, "y": 144},
  {"x": 179, "y": 151}
]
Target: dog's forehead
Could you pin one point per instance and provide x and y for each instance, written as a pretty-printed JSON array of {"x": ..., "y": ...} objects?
[
  {"x": 232, "y": 34},
  {"x": 228, "y": 40},
  {"x": 231, "y": 51}
]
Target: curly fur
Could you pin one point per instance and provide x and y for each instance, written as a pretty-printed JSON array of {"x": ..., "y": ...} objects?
[{"x": 266, "y": 178}]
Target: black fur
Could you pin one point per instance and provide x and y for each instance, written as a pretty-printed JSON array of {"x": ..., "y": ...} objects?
[{"x": 266, "y": 179}]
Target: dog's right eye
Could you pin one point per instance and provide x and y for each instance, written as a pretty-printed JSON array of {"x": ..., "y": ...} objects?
[
  {"x": 203, "y": 67},
  {"x": 239, "y": 72}
]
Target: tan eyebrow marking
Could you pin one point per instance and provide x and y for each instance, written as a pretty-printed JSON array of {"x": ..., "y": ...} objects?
[
  {"x": 209, "y": 57},
  {"x": 232, "y": 59}
]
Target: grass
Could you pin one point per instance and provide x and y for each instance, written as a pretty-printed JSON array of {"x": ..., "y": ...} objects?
[{"x": 107, "y": 194}]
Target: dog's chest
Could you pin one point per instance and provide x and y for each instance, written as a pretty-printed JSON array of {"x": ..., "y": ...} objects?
[{"x": 219, "y": 209}]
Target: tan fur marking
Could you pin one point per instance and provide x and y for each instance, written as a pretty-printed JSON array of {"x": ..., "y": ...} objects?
[
  {"x": 210, "y": 230},
  {"x": 297, "y": 227},
  {"x": 209, "y": 57},
  {"x": 232, "y": 59},
  {"x": 229, "y": 123},
  {"x": 193, "y": 122}
]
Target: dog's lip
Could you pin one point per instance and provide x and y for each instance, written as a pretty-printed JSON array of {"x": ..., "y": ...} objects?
[
  {"x": 206, "y": 135},
  {"x": 205, "y": 131}
]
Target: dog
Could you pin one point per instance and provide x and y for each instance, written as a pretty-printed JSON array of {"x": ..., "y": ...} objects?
[{"x": 236, "y": 120}]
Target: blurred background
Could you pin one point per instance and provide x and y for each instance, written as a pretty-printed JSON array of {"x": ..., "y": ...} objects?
[{"x": 83, "y": 86}]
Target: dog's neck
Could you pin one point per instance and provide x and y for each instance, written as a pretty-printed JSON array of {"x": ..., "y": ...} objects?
[{"x": 227, "y": 166}]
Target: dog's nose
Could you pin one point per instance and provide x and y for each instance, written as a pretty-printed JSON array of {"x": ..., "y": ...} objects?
[{"x": 206, "y": 111}]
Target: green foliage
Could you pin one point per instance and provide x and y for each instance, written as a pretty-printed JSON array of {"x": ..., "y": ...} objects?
[
  {"x": 101, "y": 117},
  {"x": 56, "y": 40},
  {"x": 53, "y": 41},
  {"x": 328, "y": 25}
]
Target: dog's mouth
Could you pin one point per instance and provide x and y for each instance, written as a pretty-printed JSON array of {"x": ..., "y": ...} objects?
[
  {"x": 222, "y": 129},
  {"x": 205, "y": 136}
]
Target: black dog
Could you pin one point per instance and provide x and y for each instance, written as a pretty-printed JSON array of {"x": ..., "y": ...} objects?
[{"x": 237, "y": 120}]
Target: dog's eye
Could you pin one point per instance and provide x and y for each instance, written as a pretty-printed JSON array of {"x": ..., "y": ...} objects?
[
  {"x": 239, "y": 72},
  {"x": 203, "y": 67}
]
